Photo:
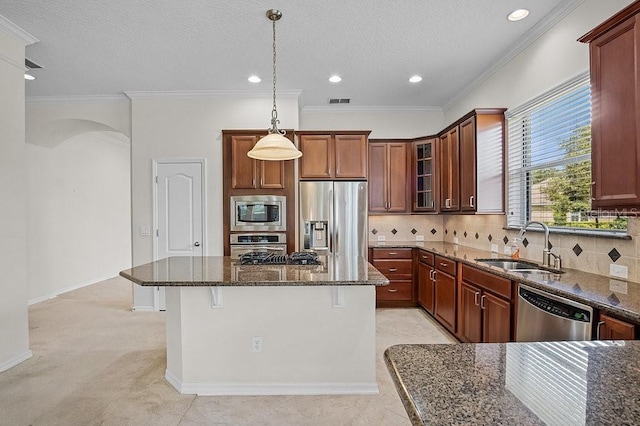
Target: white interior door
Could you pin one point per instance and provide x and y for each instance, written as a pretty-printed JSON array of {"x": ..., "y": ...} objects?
[{"x": 178, "y": 212}]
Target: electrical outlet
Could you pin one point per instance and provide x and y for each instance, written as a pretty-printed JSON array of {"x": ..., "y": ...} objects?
[
  {"x": 256, "y": 344},
  {"x": 145, "y": 231},
  {"x": 382, "y": 238},
  {"x": 455, "y": 240},
  {"x": 619, "y": 271},
  {"x": 506, "y": 250},
  {"x": 494, "y": 248},
  {"x": 419, "y": 237}
]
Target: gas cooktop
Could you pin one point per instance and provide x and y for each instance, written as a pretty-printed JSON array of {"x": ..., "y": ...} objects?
[{"x": 295, "y": 258}]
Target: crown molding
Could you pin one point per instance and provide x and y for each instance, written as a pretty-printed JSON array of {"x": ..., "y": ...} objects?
[
  {"x": 76, "y": 99},
  {"x": 10, "y": 61},
  {"x": 16, "y": 32},
  {"x": 558, "y": 14},
  {"x": 191, "y": 94},
  {"x": 351, "y": 109}
]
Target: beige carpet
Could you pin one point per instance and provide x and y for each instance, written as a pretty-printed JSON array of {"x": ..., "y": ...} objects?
[{"x": 95, "y": 362}]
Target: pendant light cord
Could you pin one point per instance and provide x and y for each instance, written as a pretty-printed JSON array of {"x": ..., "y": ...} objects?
[{"x": 274, "y": 112}]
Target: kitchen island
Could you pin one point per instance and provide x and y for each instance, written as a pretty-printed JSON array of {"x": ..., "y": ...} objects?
[
  {"x": 553, "y": 383},
  {"x": 237, "y": 329}
]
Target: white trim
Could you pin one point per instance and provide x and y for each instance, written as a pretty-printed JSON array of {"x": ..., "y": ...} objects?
[
  {"x": 16, "y": 32},
  {"x": 77, "y": 98},
  {"x": 67, "y": 289},
  {"x": 13, "y": 63},
  {"x": 15, "y": 361},
  {"x": 104, "y": 136},
  {"x": 190, "y": 94},
  {"x": 218, "y": 389},
  {"x": 545, "y": 24},
  {"x": 328, "y": 109}
]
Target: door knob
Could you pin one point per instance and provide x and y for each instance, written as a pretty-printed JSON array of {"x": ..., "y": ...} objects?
[{"x": 197, "y": 244}]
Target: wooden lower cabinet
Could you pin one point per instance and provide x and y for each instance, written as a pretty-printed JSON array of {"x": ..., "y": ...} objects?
[
  {"x": 426, "y": 287},
  {"x": 609, "y": 328},
  {"x": 445, "y": 293},
  {"x": 397, "y": 266},
  {"x": 485, "y": 307}
]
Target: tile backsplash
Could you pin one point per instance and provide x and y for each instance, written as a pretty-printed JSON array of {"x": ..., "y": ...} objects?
[{"x": 586, "y": 253}]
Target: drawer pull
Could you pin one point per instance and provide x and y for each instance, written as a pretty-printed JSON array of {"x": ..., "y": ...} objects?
[
  {"x": 392, "y": 253},
  {"x": 393, "y": 290},
  {"x": 475, "y": 298},
  {"x": 444, "y": 265},
  {"x": 393, "y": 269},
  {"x": 482, "y": 302},
  {"x": 424, "y": 257}
]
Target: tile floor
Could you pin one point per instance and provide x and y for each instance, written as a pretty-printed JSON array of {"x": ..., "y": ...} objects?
[{"x": 96, "y": 362}]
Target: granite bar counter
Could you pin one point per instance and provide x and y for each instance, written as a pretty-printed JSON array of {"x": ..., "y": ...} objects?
[
  {"x": 553, "y": 383},
  {"x": 267, "y": 329},
  {"x": 611, "y": 295}
]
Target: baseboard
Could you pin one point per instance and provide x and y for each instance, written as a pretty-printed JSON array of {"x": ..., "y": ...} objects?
[
  {"x": 66, "y": 290},
  {"x": 144, "y": 309},
  {"x": 217, "y": 389},
  {"x": 15, "y": 361}
]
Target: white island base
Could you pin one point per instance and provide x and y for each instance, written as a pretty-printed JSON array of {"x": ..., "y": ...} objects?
[{"x": 315, "y": 340}]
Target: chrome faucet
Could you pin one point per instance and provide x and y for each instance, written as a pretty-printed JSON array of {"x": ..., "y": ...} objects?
[{"x": 546, "y": 253}]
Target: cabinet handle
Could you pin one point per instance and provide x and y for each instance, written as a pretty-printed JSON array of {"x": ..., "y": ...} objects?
[
  {"x": 392, "y": 253},
  {"x": 447, "y": 203},
  {"x": 393, "y": 290},
  {"x": 600, "y": 324},
  {"x": 424, "y": 257},
  {"x": 482, "y": 302},
  {"x": 432, "y": 204},
  {"x": 444, "y": 265},
  {"x": 393, "y": 269},
  {"x": 471, "y": 202},
  {"x": 434, "y": 276},
  {"x": 431, "y": 274},
  {"x": 475, "y": 298},
  {"x": 592, "y": 190}
]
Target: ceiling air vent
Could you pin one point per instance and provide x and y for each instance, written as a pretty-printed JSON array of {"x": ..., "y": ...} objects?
[
  {"x": 339, "y": 101},
  {"x": 31, "y": 65}
]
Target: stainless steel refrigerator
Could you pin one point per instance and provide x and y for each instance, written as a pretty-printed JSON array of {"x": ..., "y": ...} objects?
[{"x": 333, "y": 218}]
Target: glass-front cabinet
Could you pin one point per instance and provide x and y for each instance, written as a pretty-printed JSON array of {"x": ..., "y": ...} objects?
[{"x": 424, "y": 175}]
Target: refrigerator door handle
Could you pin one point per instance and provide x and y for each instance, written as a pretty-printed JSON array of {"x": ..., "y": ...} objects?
[{"x": 332, "y": 224}]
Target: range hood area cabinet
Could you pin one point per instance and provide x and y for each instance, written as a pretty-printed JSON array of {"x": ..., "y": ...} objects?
[
  {"x": 614, "y": 51},
  {"x": 329, "y": 155},
  {"x": 389, "y": 191}
]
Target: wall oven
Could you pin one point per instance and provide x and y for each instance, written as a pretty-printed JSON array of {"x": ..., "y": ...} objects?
[
  {"x": 273, "y": 243},
  {"x": 258, "y": 213}
]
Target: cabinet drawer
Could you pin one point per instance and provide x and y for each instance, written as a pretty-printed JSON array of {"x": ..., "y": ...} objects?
[
  {"x": 396, "y": 290},
  {"x": 392, "y": 268},
  {"x": 495, "y": 284},
  {"x": 445, "y": 265},
  {"x": 426, "y": 257},
  {"x": 403, "y": 253}
]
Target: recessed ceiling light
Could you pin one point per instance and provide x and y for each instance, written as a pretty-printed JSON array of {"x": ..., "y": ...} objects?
[
  {"x": 29, "y": 77},
  {"x": 254, "y": 79},
  {"x": 518, "y": 14},
  {"x": 335, "y": 79},
  {"x": 415, "y": 79}
]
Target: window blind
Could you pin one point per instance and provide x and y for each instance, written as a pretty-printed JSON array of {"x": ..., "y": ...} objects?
[{"x": 549, "y": 160}]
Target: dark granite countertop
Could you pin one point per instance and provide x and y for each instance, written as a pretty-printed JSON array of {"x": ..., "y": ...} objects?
[
  {"x": 567, "y": 383},
  {"x": 612, "y": 295},
  {"x": 224, "y": 271}
]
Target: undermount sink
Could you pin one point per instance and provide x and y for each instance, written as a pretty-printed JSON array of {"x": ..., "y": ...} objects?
[{"x": 516, "y": 265}]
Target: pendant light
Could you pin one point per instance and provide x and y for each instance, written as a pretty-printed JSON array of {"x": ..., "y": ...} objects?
[{"x": 275, "y": 146}]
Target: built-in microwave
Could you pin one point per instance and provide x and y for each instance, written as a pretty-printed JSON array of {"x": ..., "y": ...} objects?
[{"x": 258, "y": 213}]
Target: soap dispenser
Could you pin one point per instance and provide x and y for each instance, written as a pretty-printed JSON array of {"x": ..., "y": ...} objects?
[{"x": 515, "y": 249}]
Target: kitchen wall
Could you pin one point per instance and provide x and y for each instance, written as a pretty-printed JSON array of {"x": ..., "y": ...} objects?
[
  {"x": 78, "y": 192},
  {"x": 168, "y": 126},
  {"x": 14, "y": 323}
]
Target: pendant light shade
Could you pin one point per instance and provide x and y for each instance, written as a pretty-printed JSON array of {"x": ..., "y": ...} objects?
[{"x": 275, "y": 146}]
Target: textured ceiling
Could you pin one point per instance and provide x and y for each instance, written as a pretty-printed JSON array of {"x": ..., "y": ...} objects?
[{"x": 102, "y": 47}]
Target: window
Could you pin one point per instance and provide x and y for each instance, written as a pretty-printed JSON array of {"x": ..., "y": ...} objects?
[{"x": 550, "y": 161}]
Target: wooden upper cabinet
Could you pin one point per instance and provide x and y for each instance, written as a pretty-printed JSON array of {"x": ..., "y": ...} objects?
[
  {"x": 450, "y": 170},
  {"x": 468, "y": 164},
  {"x": 350, "y": 156},
  {"x": 248, "y": 173},
  {"x": 317, "y": 157},
  {"x": 388, "y": 188},
  {"x": 425, "y": 175},
  {"x": 333, "y": 155},
  {"x": 614, "y": 50}
]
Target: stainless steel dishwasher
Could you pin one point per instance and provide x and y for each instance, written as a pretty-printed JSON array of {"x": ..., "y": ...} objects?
[{"x": 546, "y": 317}]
